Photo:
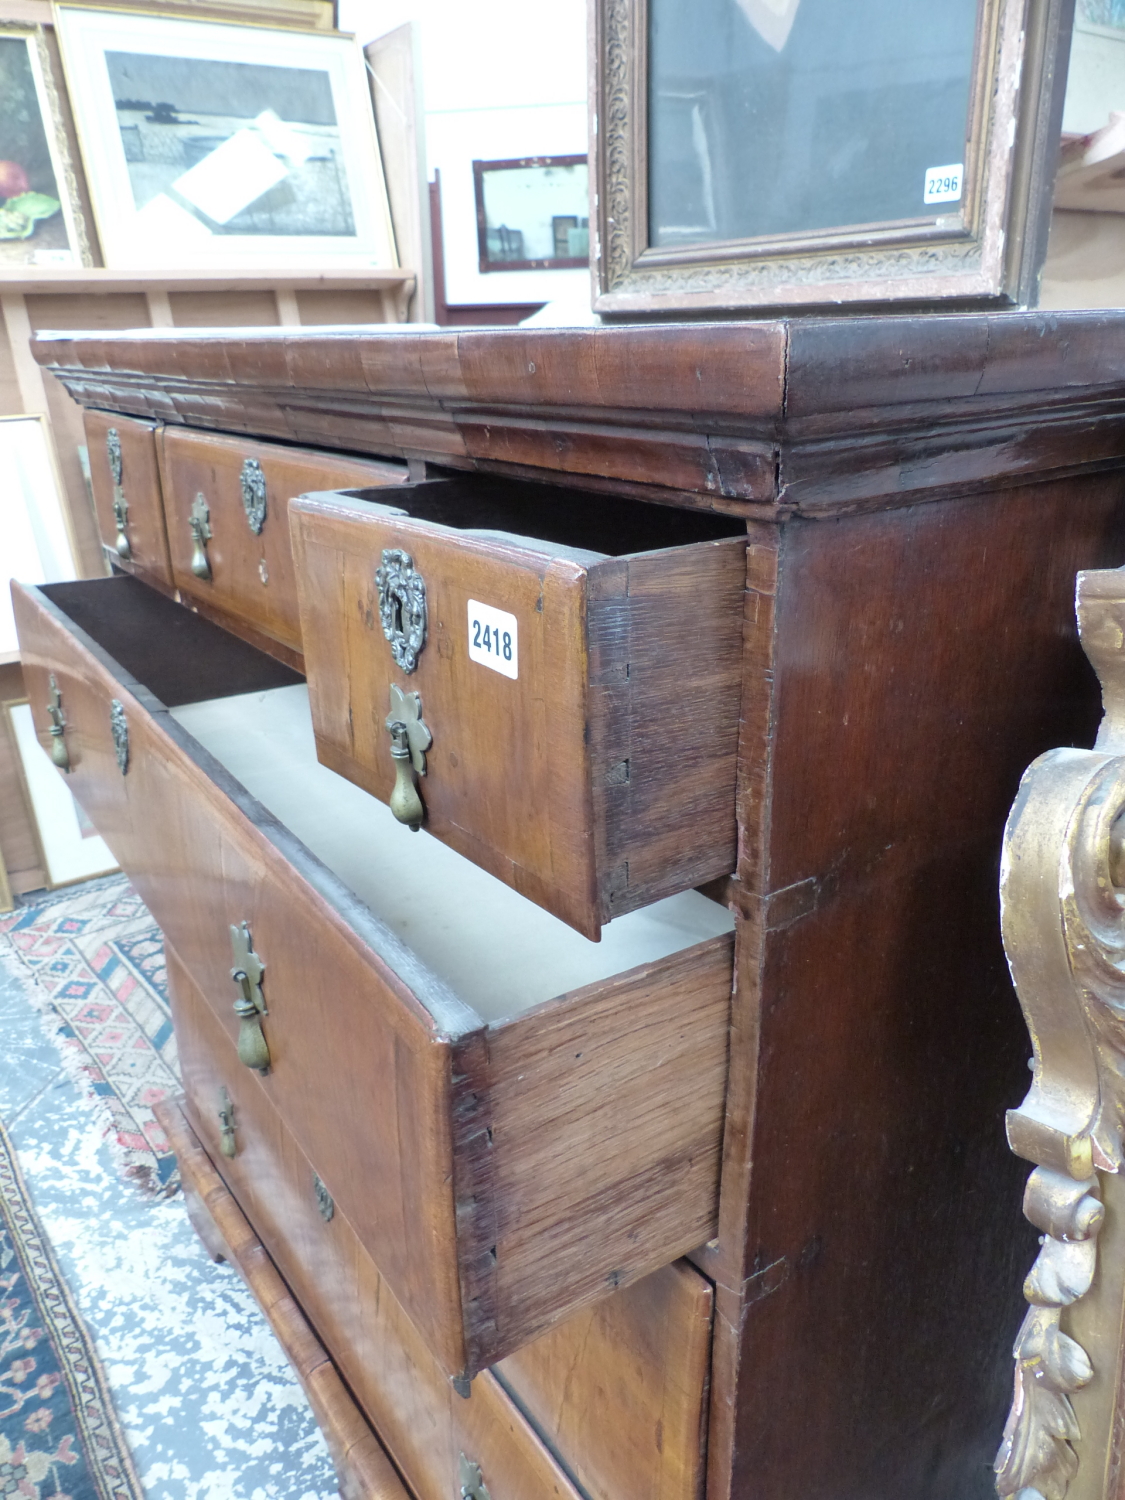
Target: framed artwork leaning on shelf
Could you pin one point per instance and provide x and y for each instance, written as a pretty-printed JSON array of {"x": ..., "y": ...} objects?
[
  {"x": 41, "y": 222},
  {"x": 221, "y": 145},
  {"x": 789, "y": 153}
]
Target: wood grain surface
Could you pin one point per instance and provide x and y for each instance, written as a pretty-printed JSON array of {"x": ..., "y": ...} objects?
[
  {"x": 824, "y": 413},
  {"x": 362, "y": 1466},
  {"x": 423, "y": 1423},
  {"x": 251, "y": 575},
  {"x": 620, "y": 1391},
  {"x": 140, "y": 484},
  {"x": 427, "y": 1130}
]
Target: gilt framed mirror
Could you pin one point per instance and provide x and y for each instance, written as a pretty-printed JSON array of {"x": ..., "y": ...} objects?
[{"x": 788, "y": 153}]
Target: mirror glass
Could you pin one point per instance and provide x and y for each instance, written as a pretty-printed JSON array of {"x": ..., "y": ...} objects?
[{"x": 782, "y": 117}]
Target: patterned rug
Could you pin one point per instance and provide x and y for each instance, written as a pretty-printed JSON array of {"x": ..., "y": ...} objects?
[
  {"x": 97, "y": 960},
  {"x": 59, "y": 1437}
]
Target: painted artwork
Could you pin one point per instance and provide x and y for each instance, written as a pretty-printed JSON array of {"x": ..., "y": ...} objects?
[
  {"x": 221, "y": 145},
  {"x": 33, "y": 228},
  {"x": 245, "y": 149}
]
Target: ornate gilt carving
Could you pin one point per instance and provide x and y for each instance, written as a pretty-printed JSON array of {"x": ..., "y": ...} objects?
[{"x": 1062, "y": 891}]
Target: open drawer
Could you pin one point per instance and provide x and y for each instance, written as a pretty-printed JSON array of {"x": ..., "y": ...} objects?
[
  {"x": 514, "y": 1120},
  {"x": 576, "y": 661}
]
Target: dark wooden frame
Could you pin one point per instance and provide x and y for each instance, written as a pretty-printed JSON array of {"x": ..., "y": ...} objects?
[
  {"x": 993, "y": 253},
  {"x": 551, "y": 263}
]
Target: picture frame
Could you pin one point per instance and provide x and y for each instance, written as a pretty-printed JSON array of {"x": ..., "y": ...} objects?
[
  {"x": 549, "y": 197},
  {"x": 41, "y": 218},
  {"x": 70, "y": 846},
  {"x": 215, "y": 144},
  {"x": 776, "y": 170},
  {"x": 39, "y": 545}
]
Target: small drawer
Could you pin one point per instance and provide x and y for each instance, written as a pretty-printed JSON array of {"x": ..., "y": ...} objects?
[
  {"x": 125, "y": 479},
  {"x": 228, "y": 529},
  {"x": 576, "y": 664},
  {"x": 514, "y": 1120},
  {"x": 421, "y": 1421}
]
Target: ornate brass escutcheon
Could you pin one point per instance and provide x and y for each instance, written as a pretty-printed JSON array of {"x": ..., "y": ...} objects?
[
  {"x": 200, "y": 523},
  {"x": 250, "y": 1006},
  {"x": 227, "y": 1143},
  {"x": 472, "y": 1482},
  {"x": 120, "y": 507},
  {"x": 252, "y": 483},
  {"x": 119, "y": 728},
  {"x": 402, "y": 606},
  {"x": 410, "y": 739},
  {"x": 59, "y": 753}
]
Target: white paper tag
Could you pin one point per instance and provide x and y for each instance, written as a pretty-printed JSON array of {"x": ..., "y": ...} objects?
[
  {"x": 493, "y": 639},
  {"x": 943, "y": 184}
]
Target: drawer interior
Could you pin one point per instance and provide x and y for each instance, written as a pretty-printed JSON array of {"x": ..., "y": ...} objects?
[
  {"x": 567, "y": 522},
  {"x": 500, "y": 952}
]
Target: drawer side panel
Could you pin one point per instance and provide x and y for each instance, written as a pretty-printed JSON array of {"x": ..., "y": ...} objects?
[{"x": 606, "y": 1121}]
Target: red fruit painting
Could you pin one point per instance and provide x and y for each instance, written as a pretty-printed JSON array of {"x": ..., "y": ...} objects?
[{"x": 13, "y": 180}]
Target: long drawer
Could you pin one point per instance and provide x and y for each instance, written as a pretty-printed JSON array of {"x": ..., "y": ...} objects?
[
  {"x": 508, "y": 1151},
  {"x": 228, "y": 529},
  {"x": 619, "y": 1391},
  {"x": 576, "y": 663}
]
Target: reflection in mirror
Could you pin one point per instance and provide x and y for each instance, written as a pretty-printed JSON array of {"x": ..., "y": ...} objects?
[
  {"x": 778, "y": 117},
  {"x": 533, "y": 213}
]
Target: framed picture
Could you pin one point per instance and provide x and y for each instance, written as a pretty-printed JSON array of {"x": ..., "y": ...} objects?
[
  {"x": 71, "y": 848},
  {"x": 786, "y": 153},
  {"x": 41, "y": 221},
  {"x": 210, "y": 144},
  {"x": 533, "y": 213},
  {"x": 37, "y": 546}
]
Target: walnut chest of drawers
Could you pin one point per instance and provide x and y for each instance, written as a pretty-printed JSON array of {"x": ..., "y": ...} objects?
[{"x": 634, "y": 1130}]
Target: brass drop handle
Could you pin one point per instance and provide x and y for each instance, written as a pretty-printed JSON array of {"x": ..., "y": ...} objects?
[
  {"x": 59, "y": 753},
  {"x": 120, "y": 506},
  {"x": 120, "y": 516},
  {"x": 226, "y": 1125},
  {"x": 250, "y": 1006},
  {"x": 405, "y": 801},
  {"x": 410, "y": 739},
  {"x": 200, "y": 523}
]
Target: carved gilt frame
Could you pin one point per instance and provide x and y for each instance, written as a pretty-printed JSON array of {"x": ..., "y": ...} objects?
[
  {"x": 1062, "y": 893},
  {"x": 990, "y": 249}
]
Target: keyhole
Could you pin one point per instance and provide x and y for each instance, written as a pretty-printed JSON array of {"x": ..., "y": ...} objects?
[{"x": 398, "y": 616}]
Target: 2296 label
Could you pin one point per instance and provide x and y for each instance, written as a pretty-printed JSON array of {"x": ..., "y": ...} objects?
[
  {"x": 943, "y": 184},
  {"x": 493, "y": 639}
]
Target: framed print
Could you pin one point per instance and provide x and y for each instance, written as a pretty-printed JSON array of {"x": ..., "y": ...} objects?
[
  {"x": 209, "y": 144},
  {"x": 37, "y": 545},
  {"x": 786, "y": 153},
  {"x": 71, "y": 848},
  {"x": 41, "y": 222},
  {"x": 532, "y": 213}
]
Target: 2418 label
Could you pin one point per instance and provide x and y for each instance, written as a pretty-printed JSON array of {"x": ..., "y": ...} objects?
[{"x": 493, "y": 639}]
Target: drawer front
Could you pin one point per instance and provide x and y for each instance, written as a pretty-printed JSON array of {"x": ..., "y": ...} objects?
[
  {"x": 580, "y": 714},
  {"x": 620, "y": 1390},
  {"x": 420, "y": 1419},
  {"x": 125, "y": 479},
  {"x": 500, "y": 1177},
  {"x": 228, "y": 527}
]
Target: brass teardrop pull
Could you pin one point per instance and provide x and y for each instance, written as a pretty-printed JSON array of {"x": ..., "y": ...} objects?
[
  {"x": 120, "y": 506},
  {"x": 59, "y": 753},
  {"x": 250, "y": 1006},
  {"x": 410, "y": 739},
  {"x": 200, "y": 523}
]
